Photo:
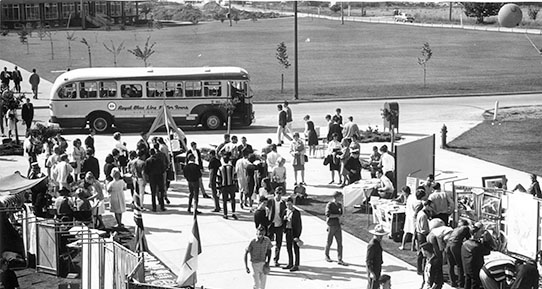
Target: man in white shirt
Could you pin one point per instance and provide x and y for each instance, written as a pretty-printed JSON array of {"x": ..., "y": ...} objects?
[
  {"x": 385, "y": 188},
  {"x": 350, "y": 128},
  {"x": 387, "y": 163},
  {"x": 61, "y": 171},
  {"x": 272, "y": 158}
]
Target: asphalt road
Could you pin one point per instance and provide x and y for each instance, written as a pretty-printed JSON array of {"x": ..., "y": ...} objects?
[{"x": 418, "y": 115}]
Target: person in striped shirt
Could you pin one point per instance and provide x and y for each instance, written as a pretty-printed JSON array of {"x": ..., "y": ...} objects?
[
  {"x": 497, "y": 273},
  {"x": 226, "y": 181}
]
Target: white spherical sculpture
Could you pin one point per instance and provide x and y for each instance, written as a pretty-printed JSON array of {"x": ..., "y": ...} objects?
[{"x": 510, "y": 15}]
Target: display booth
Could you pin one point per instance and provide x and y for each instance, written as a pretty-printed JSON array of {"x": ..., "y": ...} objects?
[{"x": 512, "y": 218}]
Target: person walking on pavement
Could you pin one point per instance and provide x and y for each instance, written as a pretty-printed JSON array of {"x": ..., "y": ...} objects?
[
  {"x": 214, "y": 166},
  {"x": 192, "y": 173},
  {"x": 17, "y": 78},
  {"x": 277, "y": 209},
  {"x": 34, "y": 82},
  {"x": 281, "y": 129},
  {"x": 154, "y": 171},
  {"x": 289, "y": 118},
  {"x": 2, "y": 114},
  {"x": 293, "y": 227},
  {"x": 260, "y": 255},
  {"x": 199, "y": 161},
  {"x": 27, "y": 113},
  {"x": 373, "y": 259},
  {"x": 334, "y": 213},
  {"x": 226, "y": 179}
]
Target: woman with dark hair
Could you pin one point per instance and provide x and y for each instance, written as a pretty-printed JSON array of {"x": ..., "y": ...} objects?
[
  {"x": 108, "y": 167},
  {"x": 310, "y": 135},
  {"x": 297, "y": 150},
  {"x": 335, "y": 128},
  {"x": 78, "y": 155}
]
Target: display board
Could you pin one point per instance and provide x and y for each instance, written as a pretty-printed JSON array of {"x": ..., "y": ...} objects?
[
  {"x": 522, "y": 224},
  {"x": 415, "y": 159}
]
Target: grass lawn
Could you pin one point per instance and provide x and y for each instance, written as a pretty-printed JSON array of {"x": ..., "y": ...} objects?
[
  {"x": 356, "y": 223},
  {"x": 513, "y": 141},
  {"x": 356, "y": 60}
]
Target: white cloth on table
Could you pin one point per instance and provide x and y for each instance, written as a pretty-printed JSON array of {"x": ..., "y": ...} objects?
[{"x": 358, "y": 192}]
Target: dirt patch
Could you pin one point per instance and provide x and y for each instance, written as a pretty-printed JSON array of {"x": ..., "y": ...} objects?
[{"x": 516, "y": 113}]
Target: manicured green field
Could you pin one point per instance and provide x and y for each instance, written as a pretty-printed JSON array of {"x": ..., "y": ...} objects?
[{"x": 355, "y": 60}]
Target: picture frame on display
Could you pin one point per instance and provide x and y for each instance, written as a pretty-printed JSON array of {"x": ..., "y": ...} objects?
[{"x": 494, "y": 181}]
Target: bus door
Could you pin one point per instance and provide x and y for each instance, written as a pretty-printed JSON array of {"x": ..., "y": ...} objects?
[{"x": 239, "y": 93}]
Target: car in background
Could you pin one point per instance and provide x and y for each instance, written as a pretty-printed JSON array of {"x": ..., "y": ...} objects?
[{"x": 403, "y": 17}]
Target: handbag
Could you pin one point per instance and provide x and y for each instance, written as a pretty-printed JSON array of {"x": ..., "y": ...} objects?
[
  {"x": 306, "y": 158},
  {"x": 69, "y": 179},
  {"x": 327, "y": 160}
]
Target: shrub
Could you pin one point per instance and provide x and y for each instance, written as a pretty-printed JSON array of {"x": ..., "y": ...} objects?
[{"x": 533, "y": 12}]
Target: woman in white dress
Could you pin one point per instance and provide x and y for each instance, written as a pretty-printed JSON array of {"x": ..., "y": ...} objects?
[
  {"x": 78, "y": 155},
  {"x": 412, "y": 203},
  {"x": 117, "y": 203}
]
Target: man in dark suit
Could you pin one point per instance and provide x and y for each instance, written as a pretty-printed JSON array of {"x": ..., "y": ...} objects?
[
  {"x": 281, "y": 129},
  {"x": 292, "y": 220},
  {"x": 192, "y": 173},
  {"x": 226, "y": 181},
  {"x": 277, "y": 209},
  {"x": 17, "y": 78},
  {"x": 154, "y": 171},
  {"x": 27, "y": 113},
  {"x": 374, "y": 257},
  {"x": 198, "y": 160}
]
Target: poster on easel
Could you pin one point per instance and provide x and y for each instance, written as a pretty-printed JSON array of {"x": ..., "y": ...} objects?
[
  {"x": 522, "y": 224},
  {"x": 412, "y": 183}
]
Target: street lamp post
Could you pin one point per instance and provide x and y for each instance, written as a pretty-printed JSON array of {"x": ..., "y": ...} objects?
[{"x": 296, "y": 86}]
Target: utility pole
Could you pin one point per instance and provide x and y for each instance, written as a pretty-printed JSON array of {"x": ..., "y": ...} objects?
[
  {"x": 229, "y": 11},
  {"x": 296, "y": 86},
  {"x": 342, "y": 14}
]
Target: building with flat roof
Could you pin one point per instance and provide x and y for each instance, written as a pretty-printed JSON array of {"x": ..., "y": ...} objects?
[{"x": 18, "y": 14}]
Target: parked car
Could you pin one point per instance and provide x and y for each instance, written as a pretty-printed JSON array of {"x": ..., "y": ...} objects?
[{"x": 404, "y": 17}]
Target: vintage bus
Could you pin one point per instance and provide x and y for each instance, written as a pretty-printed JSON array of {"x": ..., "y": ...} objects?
[{"x": 129, "y": 98}]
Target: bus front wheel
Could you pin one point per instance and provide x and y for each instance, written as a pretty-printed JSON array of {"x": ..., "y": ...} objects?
[
  {"x": 100, "y": 123},
  {"x": 212, "y": 121}
]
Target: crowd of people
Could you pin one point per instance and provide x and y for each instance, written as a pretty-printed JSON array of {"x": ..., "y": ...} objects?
[{"x": 258, "y": 183}]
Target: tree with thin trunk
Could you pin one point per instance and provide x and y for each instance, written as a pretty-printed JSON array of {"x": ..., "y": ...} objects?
[
  {"x": 145, "y": 53},
  {"x": 70, "y": 37},
  {"x": 282, "y": 57},
  {"x": 426, "y": 54},
  {"x": 84, "y": 41},
  {"x": 50, "y": 35},
  {"x": 23, "y": 37},
  {"x": 115, "y": 50}
]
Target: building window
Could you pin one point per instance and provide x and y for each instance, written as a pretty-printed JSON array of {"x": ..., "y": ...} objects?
[
  {"x": 129, "y": 8},
  {"x": 101, "y": 7},
  {"x": 11, "y": 12},
  {"x": 115, "y": 9},
  {"x": 67, "y": 9},
  {"x": 51, "y": 11},
  {"x": 32, "y": 12}
]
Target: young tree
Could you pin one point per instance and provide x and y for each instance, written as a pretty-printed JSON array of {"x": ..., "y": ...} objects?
[
  {"x": 50, "y": 35},
  {"x": 426, "y": 54},
  {"x": 282, "y": 57},
  {"x": 144, "y": 53},
  {"x": 84, "y": 41},
  {"x": 481, "y": 10},
  {"x": 41, "y": 31},
  {"x": 115, "y": 50},
  {"x": 70, "y": 37},
  {"x": 23, "y": 37},
  {"x": 533, "y": 12}
]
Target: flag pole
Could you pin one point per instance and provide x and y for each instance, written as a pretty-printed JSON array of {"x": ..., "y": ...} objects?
[{"x": 166, "y": 123}]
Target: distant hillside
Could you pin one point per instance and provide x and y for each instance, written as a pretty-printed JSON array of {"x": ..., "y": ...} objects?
[{"x": 209, "y": 12}]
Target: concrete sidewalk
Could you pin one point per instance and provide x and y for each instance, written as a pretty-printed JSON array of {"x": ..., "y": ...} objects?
[{"x": 43, "y": 89}]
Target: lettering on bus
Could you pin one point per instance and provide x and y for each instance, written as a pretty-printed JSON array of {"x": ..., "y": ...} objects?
[{"x": 150, "y": 107}]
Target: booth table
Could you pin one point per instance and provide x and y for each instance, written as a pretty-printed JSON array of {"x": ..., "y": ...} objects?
[
  {"x": 390, "y": 215},
  {"x": 358, "y": 192}
]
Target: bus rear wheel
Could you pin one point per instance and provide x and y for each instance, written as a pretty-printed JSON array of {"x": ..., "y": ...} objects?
[
  {"x": 100, "y": 123},
  {"x": 212, "y": 121}
]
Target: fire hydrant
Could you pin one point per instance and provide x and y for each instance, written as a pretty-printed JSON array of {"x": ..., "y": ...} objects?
[{"x": 444, "y": 132}]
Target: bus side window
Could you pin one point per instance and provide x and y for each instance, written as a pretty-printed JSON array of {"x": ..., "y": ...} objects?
[
  {"x": 108, "y": 89},
  {"x": 131, "y": 90}
]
